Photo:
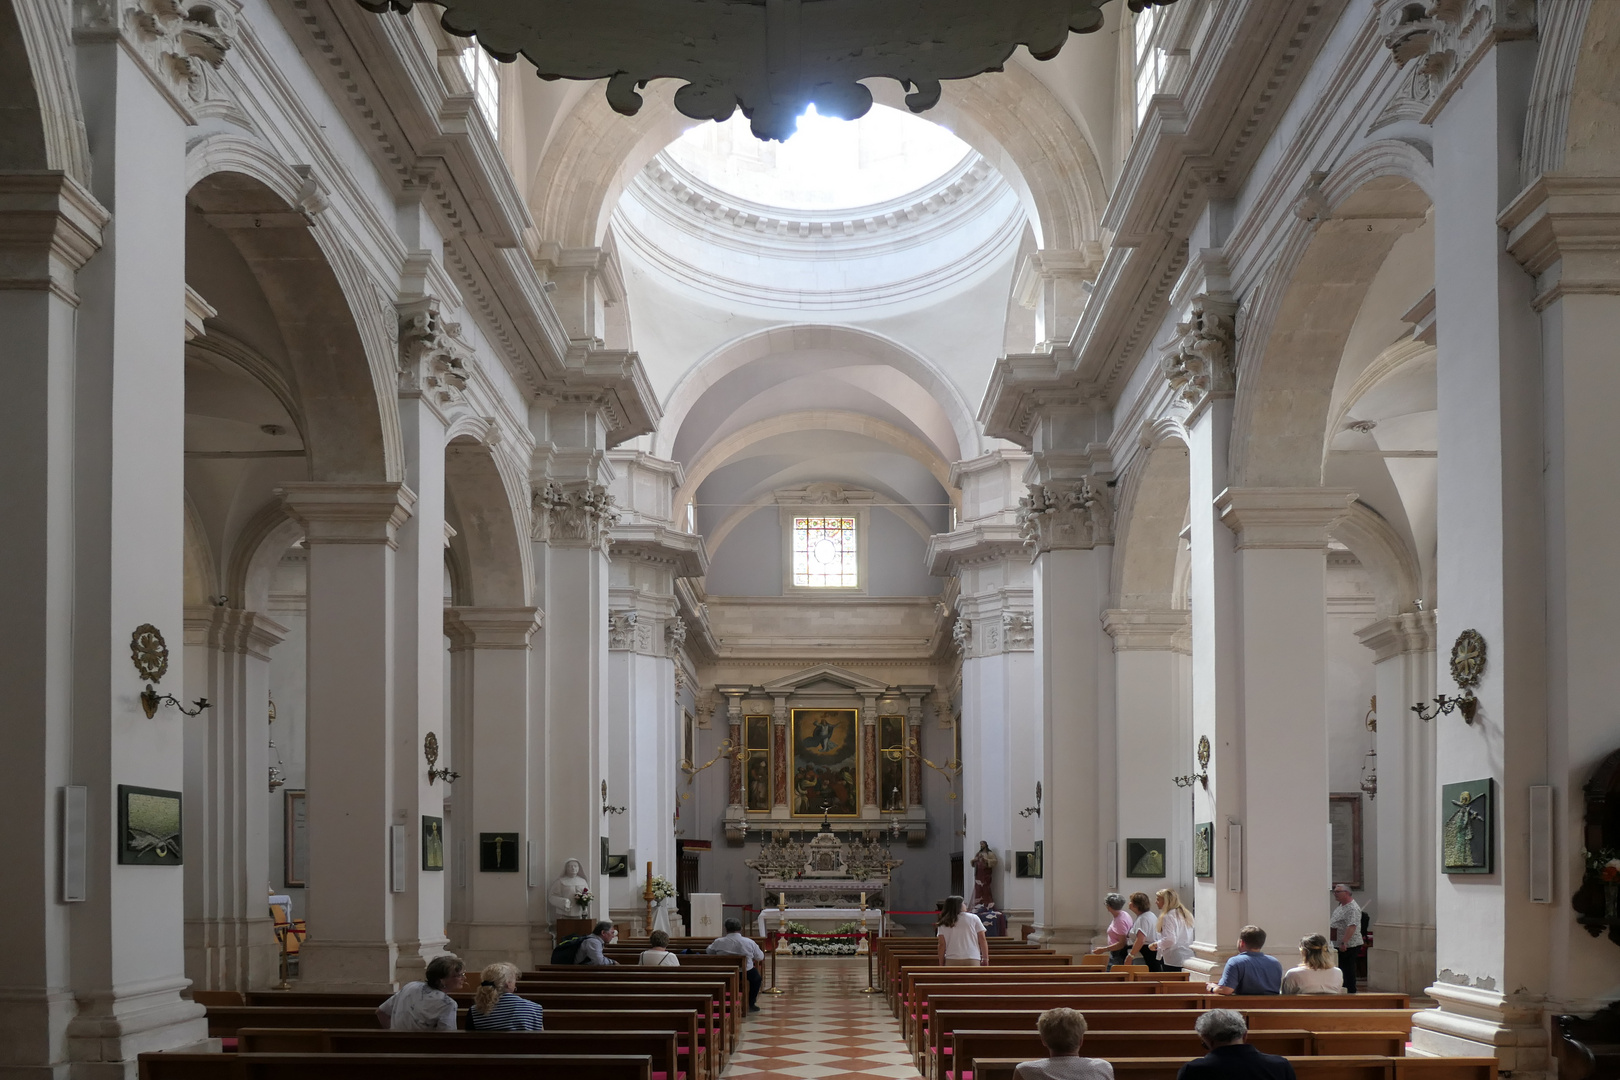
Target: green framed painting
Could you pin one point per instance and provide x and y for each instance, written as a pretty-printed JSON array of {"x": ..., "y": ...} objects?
[
  {"x": 1468, "y": 827},
  {"x": 148, "y": 826},
  {"x": 432, "y": 843},
  {"x": 1204, "y": 849},
  {"x": 826, "y": 762},
  {"x": 1144, "y": 857}
]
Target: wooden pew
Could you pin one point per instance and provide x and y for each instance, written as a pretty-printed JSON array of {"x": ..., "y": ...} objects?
[
  {"x": 1308, "y": 1068},
  {"x": 925, "y": 990},
  {"x": 722, "y": 986},
  {"x": 968, "y": 1046},
  {"x": 1160, "y": 982},
  {"x": 659, "y": 1046},
  {"x": 896, "y": 969},
  {"x": 178, "y": 1066},
  {"x": 712, "y": 1038}
]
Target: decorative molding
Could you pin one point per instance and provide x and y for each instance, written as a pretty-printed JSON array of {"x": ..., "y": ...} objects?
[
  {"x": 1399, "y": 635},
  {"x": 491, "y": 628},
  {"x": 180, "y": 45},
  {"x": 575, "y": 514},
  {"x": 675, "y": 639},
  {"x": 433, "y": 360},
  {"x": 348, "y": 513},
  {"x": 1149, "y": 630},
  {"x": 1064, "y": 515},
  {"x": 1283, "y": 517},
  {"x": 1444, "y": 39},
  {"x": 622, "y": 630},
  {"x": 1018, "y": 631},
  {"x": 962, "y": 634},
  {"x": 50, "y": 226},
  {"x": 1198, "y": 362},
  {"x": 1565, "y": 230}
]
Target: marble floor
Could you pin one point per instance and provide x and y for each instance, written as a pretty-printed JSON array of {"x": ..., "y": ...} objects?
[{"x": 822, "y": 1026}]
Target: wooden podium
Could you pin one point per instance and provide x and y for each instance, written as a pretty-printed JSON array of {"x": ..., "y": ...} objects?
[{"x": 567, "y": 928}]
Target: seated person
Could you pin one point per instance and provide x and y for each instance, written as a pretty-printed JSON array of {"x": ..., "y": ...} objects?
[
  {"x": 590, "y": 950},
  {"x": 659, "y": 955},
  {"x": 426, "y": 1006},
  {"x": 734, "y": 944},
  {"x": 1251, "y": 971},
  {"x": 497, "y": 1006},
  {"x": 1230, "y": 1058},
  {"x": 1318, "y": 974},
  {"x": 1062, "y": 1032}
]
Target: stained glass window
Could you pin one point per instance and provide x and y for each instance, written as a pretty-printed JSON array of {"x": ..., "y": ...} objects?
[{"x": 824, "y": 552}]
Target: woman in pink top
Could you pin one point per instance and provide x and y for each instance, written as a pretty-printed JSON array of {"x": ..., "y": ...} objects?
[{"x": 1119, "y": 931}]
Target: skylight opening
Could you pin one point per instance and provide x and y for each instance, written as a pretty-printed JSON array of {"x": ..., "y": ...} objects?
[{"x": 829, "y": 164}]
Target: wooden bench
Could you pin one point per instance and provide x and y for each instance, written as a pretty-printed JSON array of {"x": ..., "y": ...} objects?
[
  {"x": 895, "y": 974},
  {"x": 659, "y": 1046},
  {"x": 969, "y": 1046},
  {"x": 998, "y": 977},
  {"x": 1020, "y": 993},
  {"x": 1306, "y": 1068},
  {"x": 178, "y": 1066}
]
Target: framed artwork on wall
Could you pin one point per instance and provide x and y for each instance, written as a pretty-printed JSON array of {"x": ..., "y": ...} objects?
[
  {"x": 498, "y": 852},
  {"x": 148, "y": 826},
  {"x": 617, "y": 866},
  {"x": 1144, "y": 857},
  {"x": 1344, "y": 818},
  {"x": 1204, "y": 849},
  {"x": 295, "y": 852},
  {"x": 1468, "y": 827},
  {"x": 1028, "y": 863},
  {"x": 432, "y": 843},
  {"x": 826, "y": 762}
]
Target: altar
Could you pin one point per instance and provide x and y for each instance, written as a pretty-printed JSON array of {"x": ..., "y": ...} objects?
[
  {"x": 825, "y": 881},
  {"x": 823, "y": 892},
  {"x": 821, "y": 920}
]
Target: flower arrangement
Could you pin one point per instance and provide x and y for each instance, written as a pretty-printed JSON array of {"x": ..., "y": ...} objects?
[
  {"x": 1605, "y": 863},
  {"x": 662, "y": 888},
  {"x": 582, "y": 899},
  {"x": 844, "y": 942}
]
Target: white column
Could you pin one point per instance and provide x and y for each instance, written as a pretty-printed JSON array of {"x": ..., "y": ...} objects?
[
  {"x": 1281, "y": 578},
  {"x": 1402, "y": 958},
  {"x": 1153, "y": 738},
  {"x": 230, "y": 943},
  {"x": 352, "y": 752},
  {"x": 1491, "y": 941},
  {"x": 490, "y": 657},
  {"x": 49, "y": 226},
  {"x": 127, "y": 966}
]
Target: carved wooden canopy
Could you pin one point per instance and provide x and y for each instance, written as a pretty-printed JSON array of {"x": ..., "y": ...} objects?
[{"x": 770, "y": 58}]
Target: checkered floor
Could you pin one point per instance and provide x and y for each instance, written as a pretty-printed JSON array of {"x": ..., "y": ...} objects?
[{"x": 822, "y": 1026}]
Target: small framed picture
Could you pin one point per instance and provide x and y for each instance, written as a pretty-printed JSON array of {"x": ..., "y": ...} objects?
[
  {"x": 432, "y": 843},
  {"x": 498, "y": 852},
  {"x": 1144, "y": 857},
  {"x": 617, "y": 866},
  {"x": 1028, "y": 864},
  {"x": 1468, "y": 827},
  {"x": 1204, "y": 849},
  {"x": 148, "y": 826},
  {"x": 295, "y": 856}
]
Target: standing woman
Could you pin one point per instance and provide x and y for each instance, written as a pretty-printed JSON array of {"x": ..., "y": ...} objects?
[
  {"x": 1144, "y": 932},
  {"x": 1175, "y": 931},
  {"x": 496, "y": 1006},
  {"x": 962, "y": 941}
]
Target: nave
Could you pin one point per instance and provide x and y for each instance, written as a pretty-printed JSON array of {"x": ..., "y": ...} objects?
[{"x": 821, "y": 1025}]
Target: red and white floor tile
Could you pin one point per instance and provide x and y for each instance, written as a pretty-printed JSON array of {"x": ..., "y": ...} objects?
[{"x": 822, "y": 1026}]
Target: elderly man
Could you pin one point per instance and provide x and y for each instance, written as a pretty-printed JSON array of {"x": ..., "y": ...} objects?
[
  {"x": 1222, "y": 1032},
  {"x": 734, "y": 944},
  {"x": 590, "y": 950},
  {"x": 1344, "y": 930}
]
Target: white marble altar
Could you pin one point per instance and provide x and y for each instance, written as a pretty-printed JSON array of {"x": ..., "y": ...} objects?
[{"x": 820, "y": 920}]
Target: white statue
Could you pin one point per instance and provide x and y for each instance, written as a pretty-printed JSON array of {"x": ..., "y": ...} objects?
[{"x": 564, "y": 889}]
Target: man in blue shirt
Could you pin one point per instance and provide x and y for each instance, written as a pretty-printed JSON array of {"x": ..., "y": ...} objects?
[{"x": 1251, "y": 971}]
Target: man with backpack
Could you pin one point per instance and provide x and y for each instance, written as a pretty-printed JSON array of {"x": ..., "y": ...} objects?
[{"x": 590, "y": 947}]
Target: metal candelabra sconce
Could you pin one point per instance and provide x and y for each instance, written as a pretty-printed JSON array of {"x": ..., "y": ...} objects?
[
  {"x": 691, "y": 771},
  {"x": 150, "y": 654},
  {"x": 1033, "y": 811},
  {"x": 1467, "y": 665},
  {"x": 430, "y": 750},
  {"x": 950, "y": 770},
  {"x": 606, "y": 809},
  {"x": 1202, "y": 775}
]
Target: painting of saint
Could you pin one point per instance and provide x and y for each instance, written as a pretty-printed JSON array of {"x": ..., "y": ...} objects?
[
  {"x": 825, "y": 770},
  {"x": 759, "y": 781},
  {"x": 1466, "y": 842}
]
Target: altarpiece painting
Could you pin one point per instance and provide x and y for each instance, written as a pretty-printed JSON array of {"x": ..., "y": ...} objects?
[{"x": 826, "y": 762}]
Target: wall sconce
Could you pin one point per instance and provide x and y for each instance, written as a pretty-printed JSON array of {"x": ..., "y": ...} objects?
[
  {"x": 606, "y": 809},
  {"x": 150, "y": 654},
  {"x": 1202, "y": 776},
  {"x": 430, "y": 750},
  {"x": 1467, "y": 665},
  {"x": 1036, "y": 809}
]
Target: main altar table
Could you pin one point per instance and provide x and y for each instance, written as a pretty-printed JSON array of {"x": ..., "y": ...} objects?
[{"x": 821, "y": 920}]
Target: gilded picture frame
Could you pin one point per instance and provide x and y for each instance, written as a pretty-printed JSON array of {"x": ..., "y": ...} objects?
[{"x": 824, "y": 747}]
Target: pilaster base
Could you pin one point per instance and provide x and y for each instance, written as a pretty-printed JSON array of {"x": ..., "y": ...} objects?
[
  {"x": 410, "y": 965},
  {"x": 33, "y": 1023},
  {"x": 1483, "y": 1023},
  {"x": 111, "y": 1029},
  {"x": 353, "y": 966},
  {"x": 1403, "y": 960},
  {"x": 232, "y": 954},
  {"x": 481, "y": 944},
  {"x": 1071, "y": 940},
  {"x": 1208, "y": 961}
]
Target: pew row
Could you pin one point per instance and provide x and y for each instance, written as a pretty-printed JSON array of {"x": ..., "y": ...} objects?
[
  {"x": 968, "y": 1046},
  {"x": 178, "y": 1066},
  {"x": 1305, "y": 1068},
  {"x": 659, "y": 1046}
]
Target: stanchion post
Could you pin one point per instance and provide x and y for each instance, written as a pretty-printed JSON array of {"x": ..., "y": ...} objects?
[
  {"x": 866, "y": 940},
  {"x": 781, "y": 931}
]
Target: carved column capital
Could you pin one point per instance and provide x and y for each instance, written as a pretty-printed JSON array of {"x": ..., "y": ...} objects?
[
  {"x": 180, "y": 44},
  {"x": 622, "y": 630},
  {"x": 675, "y": 635},
  {"x": 1065, "y": 514},
  {"x": 574, "y": 514},
  {"x": 1199, "y": 362},
  {"x": 1444, "y": 39},
  {"x": 433, "y": 360}
]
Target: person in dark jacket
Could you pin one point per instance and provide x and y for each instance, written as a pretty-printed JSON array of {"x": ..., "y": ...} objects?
[{"x": 1222, "y": 1032}]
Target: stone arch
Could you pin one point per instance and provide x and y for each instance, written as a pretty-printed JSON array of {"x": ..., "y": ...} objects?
[
  {"x": 329, "y": 311},
  {"x": 1397, "y": 579},
  {"x": 259, "y": 547},
  {"x": 490, "y": 550},
  {"x": 1009, "y": 117},
  {"x": 1152, "y": 511},
  {"x": 1591, "y": 136},
  {"x": 1294, "y": 336},
  {"x": 778, "y": 339},
  {"x": 41, "y": 117}
]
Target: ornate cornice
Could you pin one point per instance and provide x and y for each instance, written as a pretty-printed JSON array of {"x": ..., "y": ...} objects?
[
  {"x": 49, "y": 228},
  {"x": 973, "y": 545},
  {"x": 1021, "y": 385},
  {"x": 682, "y": 553},
  {"x": 1565, "y": 230}
]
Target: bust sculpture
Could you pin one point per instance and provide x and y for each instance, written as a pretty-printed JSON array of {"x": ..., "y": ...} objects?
[
  {"x": 564, "y": 889},
  {"x": 984, "y": 866}
]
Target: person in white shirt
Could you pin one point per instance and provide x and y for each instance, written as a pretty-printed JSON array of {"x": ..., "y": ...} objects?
[
  {"x": 659, "y": 955},
  {"x": 732, "y": 943},
  {"x": 426, "y": 1006},
  {"x": 1175, "y": 931},
  {"x": 961, "y": 936},
  {"x": 1317, "y": 975},
  {"x": 1144, "y": 932},
  {"x": 1344, "y": 929}
]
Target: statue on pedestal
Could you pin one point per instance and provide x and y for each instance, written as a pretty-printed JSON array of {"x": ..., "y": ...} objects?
[
  {"x": 984, "y": 868},
  {"x": 565, "y": 889}
]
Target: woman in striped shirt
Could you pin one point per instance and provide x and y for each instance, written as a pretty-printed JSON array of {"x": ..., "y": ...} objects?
[{"x": 497, "y": 1006}]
